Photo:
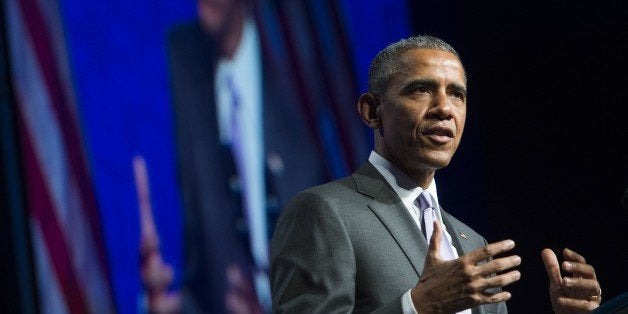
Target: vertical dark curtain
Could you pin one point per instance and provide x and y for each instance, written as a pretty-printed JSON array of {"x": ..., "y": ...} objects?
[{"x": 547, "y": 119}]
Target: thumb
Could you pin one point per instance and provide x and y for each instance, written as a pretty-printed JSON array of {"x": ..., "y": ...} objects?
[
  {"x": 149, "y": 239},
  {"x": 552, "y": 267},
  {"x": 434, "y": 248}
]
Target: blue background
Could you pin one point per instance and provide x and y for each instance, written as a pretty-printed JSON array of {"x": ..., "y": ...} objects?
[{"x": 119, "y": 66}]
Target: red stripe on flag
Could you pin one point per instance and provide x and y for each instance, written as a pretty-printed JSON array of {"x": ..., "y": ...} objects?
[
  {"x": 40, "y": 207},
  {"x": 44, "y": 52}
]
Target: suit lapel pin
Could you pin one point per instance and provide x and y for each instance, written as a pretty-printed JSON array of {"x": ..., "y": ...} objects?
[{"x": 464, "y": 236}]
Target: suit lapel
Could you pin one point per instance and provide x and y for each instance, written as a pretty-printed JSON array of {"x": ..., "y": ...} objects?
[
  {"x": 462, "y": 245},
  {"x": 387, "y": 206}
]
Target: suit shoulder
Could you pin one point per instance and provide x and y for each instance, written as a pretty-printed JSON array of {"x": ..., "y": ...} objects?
[
  {"x": 328, "y": 191},
  {"x": 190, "y": 39},
  {"x": 184, "y": 32},
  {"x": 185, "y": 28},
  {"x": 331, "y": 196}
]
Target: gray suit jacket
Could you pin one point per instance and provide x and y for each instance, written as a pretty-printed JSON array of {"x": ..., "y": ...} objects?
[{"x": 351, "y": 246}]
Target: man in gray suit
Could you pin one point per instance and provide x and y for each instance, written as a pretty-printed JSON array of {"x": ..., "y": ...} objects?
[{"x": 378, "y": 240}]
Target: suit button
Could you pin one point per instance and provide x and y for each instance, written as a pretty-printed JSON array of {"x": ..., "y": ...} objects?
[{"x": 235, "y": 183}]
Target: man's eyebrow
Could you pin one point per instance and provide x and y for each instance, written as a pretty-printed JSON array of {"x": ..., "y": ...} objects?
[{"x": 413, "y": 85}]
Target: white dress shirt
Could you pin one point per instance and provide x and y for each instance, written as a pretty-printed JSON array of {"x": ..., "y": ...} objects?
[{"x": 244, "y": 74}]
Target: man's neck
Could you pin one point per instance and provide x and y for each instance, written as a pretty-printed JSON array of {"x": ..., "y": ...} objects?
[
  {"x": 422, "y": 176},
  {"x": 231, "y": 38}
]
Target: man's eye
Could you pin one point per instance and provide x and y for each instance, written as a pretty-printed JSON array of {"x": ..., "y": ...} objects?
[
  {"x": 459, "y": 95},
  {"x": 421, "y": 90}
]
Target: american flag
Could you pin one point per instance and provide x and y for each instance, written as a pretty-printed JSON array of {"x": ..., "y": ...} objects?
[{"x": 68, "y": 245}]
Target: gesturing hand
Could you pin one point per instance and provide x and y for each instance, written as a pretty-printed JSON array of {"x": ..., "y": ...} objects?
[
  {"x": 156, "y": 275},
  {"x": 579, "y": 293},
  {"x": 452, "y": 286}
]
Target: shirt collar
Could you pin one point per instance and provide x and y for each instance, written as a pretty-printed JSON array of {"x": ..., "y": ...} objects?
[
  {"x": 402, "y": 184},
  {"x": 240, "y": 63},
  {"x": 243, "y": 74}
]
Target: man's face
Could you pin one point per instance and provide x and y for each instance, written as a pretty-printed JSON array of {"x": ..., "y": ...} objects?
[
  {"x": 422, "y": 111},
  {"x": 215, "y": 14}
]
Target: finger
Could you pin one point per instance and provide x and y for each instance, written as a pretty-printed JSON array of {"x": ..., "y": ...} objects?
[
  {"x": 501, "y": 280},
  {"x": 236, "y": 303},
  {"x": 149, "y": 237},
  {"x": 573, "y": 256},
  {"x": 165, "y": 303},
  {"x": 491, "y": 250},
  {"x": 156, "y": 275},
  {"x": 497, "y": 297},
  {"x": 437, "y": 235},
  {"x": 235, "y": 277},
  {"x": 579, "y": 269},
  {"x": 551, "y": 266},
  {"x": 581, "y": 286},
  {"x": 167, "y": 273},
  {"x": 498, "y": 265},
  {"x": 577, "y": 304}
]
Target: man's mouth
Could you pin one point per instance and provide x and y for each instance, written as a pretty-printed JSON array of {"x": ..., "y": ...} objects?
[{"x": 439, "y": 134}]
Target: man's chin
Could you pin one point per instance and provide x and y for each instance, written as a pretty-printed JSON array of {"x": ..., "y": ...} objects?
[{"x": 436, "y": 160}]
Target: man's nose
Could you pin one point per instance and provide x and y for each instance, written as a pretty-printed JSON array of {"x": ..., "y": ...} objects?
[{"x": 441, "y": 106}]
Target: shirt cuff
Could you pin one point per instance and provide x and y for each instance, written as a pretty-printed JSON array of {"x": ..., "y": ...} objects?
[{"x": 406, "y": 303}]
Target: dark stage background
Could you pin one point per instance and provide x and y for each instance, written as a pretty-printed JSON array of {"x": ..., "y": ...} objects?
[
  {"x": 547, "y": 131},
  {"x": 544, "y": 158}
]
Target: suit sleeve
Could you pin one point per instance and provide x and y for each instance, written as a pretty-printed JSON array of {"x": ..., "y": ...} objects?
[{"x": 312, "y": 262}]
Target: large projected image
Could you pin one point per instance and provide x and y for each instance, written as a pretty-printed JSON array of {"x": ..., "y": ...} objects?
[{"x": 208, "y": 115}]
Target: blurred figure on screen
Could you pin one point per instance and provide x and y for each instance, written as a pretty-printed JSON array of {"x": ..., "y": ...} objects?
[{"x": 242, "y": 151}]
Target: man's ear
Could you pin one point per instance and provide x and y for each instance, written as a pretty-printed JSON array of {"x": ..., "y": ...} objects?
[{"x": 367, "y": 107}]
